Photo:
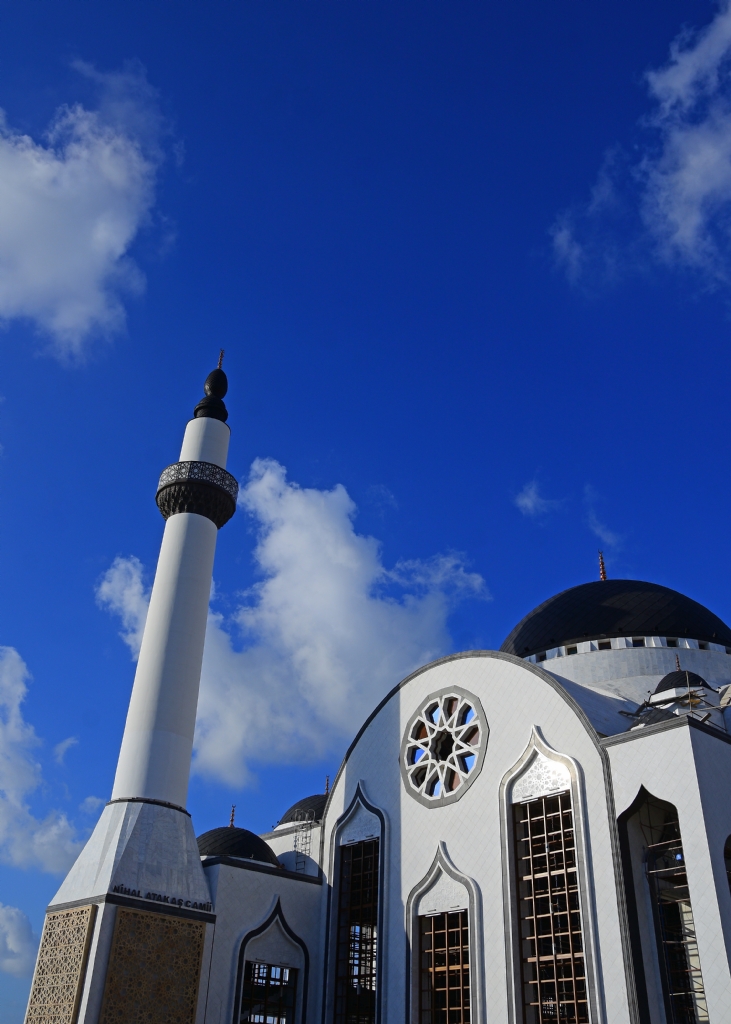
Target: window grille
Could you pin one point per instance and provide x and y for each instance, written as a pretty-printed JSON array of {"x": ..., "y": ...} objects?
[
  {"x": 445, "y": 969},
  {"x": 269, "y": 994},
  {"x": 553, "y": 976},
  {"x": 355, "y": 997},
  {"x": 674, "y": 925}
]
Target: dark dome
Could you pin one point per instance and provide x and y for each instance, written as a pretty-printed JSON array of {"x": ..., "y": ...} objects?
[
  {"x": 680, "y": 678},
  {"x": 607, "y": 608},
  {"x": 236, "y": 842},
  {"x": 300, "y": 810}
]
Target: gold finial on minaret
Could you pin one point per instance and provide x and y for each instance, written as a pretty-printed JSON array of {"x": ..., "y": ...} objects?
[
  {"x": 602, "y": 567},
  {"x": 233, "y": 812},
  {"x": 220, "y": 358}
]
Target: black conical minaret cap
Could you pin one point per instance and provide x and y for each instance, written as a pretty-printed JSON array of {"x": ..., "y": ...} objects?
[{"x": 215, "y": 387}]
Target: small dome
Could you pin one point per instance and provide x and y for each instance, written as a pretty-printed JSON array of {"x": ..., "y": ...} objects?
[
  {"x": 612, "y": 608},
  {"x": 676, "y": 679},
  {"x": 236, "y": 842},
  {"x": 301, "y": 810}
]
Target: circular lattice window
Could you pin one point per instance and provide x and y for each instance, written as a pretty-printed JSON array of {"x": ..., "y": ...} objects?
[{"x": 443, "y": 747}]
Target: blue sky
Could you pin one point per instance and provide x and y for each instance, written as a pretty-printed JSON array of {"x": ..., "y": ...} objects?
[{"x": 470, "y": 265}]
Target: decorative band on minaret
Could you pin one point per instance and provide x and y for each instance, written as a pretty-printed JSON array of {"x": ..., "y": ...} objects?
[{"x": 201, "y": 487}]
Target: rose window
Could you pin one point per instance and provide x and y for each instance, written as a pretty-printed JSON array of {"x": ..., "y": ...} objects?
[{"x": 443, "y": 747}]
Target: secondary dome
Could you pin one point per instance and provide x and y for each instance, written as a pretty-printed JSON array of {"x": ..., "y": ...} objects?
[
  {"x": 301, "y": 810},
  {"x": 608, "y": 608},
  {"x": 236, "y": 842},
  {"x": 674, "y": 680}
]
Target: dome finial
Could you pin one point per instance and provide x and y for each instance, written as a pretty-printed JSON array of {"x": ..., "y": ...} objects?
[
  {"x": 327, "y": 785},
  {"x": 602, "y": 567},
  {"x": 215, "y": 387},
  {"x": 677, "y": 663},
  {"x": 233, "y": 812},
  {"x": 220, "y": 358}
]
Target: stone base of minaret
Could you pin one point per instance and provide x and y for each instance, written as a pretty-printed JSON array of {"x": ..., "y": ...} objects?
[{"x": 127, "y": 935}]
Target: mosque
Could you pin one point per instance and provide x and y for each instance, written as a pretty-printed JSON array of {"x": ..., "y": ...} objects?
[{"x": 531, "y": 835}]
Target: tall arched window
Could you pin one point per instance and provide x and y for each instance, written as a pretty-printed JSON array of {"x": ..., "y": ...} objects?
[
  {"x": 552, "y": 953},
  {"x": 355, "y": 993},
  {"x": 654, "y": 860}
]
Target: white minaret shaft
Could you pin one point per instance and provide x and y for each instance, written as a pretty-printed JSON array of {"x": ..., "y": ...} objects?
[{"x": 196, "y": 496}]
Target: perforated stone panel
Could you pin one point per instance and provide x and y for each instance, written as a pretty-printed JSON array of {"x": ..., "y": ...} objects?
[
  {"x": 59, "y": 973},
  {"x": 154, "y": 969}
]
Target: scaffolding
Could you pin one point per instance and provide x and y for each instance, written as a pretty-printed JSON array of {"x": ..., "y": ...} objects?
[{"x": 303, "y": 839}]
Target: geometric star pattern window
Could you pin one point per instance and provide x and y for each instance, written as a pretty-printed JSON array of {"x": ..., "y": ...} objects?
[{"x": 443, "y": 747}]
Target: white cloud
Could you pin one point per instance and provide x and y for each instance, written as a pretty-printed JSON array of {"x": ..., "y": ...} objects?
[
  {"x": 605, "y": 535},
  {"x": 91, "y": 804},
  {"x": 673, "y": 203},
  {"x": 121, "y": 590},
  {"x": 324, "y": 635},
  {"x": 531, "y": 503},
  {"x": 25, "y": 841},
  {"x": 61, "y": 749},
  {"x": 70, "y": 208},
  {"x": 18, "y": 942}
]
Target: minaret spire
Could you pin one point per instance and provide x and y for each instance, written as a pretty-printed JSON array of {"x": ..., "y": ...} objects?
[
  {"x": 602, "y": 567},
  {"x": 196, "y": 497}
]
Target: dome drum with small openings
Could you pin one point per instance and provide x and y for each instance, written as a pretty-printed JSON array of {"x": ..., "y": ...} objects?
[{"x": 614, "y": 608}]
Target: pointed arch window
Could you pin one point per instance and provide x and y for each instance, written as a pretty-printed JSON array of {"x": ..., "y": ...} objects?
[
  {"x": 358, "y": 902},
  {"x": 553, "y": 972},
  {"x": 655, "y": 867}
]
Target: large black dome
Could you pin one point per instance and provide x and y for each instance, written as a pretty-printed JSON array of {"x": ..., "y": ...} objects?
[
  {"x": 301, "y": 810},
  {"x": 608, "y": 608},
  {"x": 229, "y": 841}
]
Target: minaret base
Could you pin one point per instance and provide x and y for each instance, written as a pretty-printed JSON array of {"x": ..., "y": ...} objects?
[{"x": 131, "y": 926}]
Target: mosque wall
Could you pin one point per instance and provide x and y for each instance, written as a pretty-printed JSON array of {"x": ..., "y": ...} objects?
[
  {"x": 267, "y": 916},
  {"x": 522, "y": 707},
  {"x": 681, "y": 764}
]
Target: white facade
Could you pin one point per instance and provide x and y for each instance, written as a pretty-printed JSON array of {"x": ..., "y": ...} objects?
[{"x": 447, "y": 856}]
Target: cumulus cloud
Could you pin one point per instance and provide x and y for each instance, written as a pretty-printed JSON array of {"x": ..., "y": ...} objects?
[
  {"x": 121, "y": 590},
  {"x": 91, "y": 804},
  {"x": 531, "y": 503},
  {"x": 18, "y": 942},
  {"x": 62, "y": 748},
  {"x": 673, "y": 203},
  {"x": 321, "y": 638},
  {"x": 71, "y": 205},
  {"x": 25, "y": 841},
  {"x": 607, "y": 536}
]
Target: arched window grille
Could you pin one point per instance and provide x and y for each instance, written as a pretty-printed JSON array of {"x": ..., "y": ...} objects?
[
  {"x": 658, "y": 845},
  {"x": 356, "y": 980},
  {"x": 553, "y": 972},
  {"x": 444, "y": 951}
]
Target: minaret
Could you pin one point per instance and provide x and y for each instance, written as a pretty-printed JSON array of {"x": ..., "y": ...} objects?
[{"x": 137, "y": 893}]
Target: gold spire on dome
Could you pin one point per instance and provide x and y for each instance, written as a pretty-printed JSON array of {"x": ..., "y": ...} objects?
[
  {"x": 220, "y": 358},
  {"x": 602, "y": 567},
  {"x": 327, "y": 785},
  {"x": 677, "y": 663},
  {"x": 233, "y": 812}
]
